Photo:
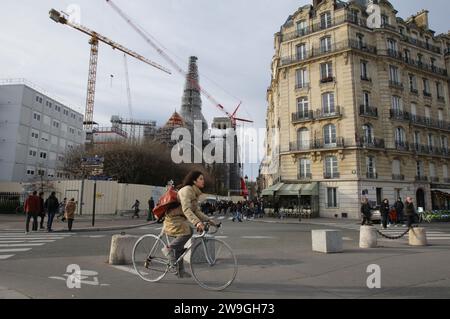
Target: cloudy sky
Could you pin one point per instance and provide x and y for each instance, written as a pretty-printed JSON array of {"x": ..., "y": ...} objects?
[{"x": 233, "y": 40}]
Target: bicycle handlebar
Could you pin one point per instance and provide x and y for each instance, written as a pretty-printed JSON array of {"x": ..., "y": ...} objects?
[{"x": 207, "y": 227}]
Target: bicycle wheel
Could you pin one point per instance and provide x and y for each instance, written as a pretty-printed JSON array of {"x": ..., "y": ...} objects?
[
  {"x": 213, "y": 264},
  {"x": 148, "y": 260}
]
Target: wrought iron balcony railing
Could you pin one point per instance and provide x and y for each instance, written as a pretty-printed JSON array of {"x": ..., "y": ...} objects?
[{"x": 365, "y": 110}]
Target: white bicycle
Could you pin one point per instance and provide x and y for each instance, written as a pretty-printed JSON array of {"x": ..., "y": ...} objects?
[{"x": 212, "y": 262}]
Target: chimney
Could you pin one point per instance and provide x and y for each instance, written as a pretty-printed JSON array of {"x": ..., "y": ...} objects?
[{"x": 421, "y": 19}]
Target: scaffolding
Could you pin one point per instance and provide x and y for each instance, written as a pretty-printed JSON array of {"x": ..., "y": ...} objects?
[{"x": 137, "y": 131}]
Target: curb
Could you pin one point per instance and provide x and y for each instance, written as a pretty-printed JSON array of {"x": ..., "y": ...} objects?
[{"x": 97, "y": 229}]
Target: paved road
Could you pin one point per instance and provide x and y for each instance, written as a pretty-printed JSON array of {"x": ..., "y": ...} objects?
[{"x": 275, "y": 261}]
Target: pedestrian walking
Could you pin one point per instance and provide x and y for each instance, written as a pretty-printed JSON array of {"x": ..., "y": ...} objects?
[
  {"x": 69, "y": 214},
  {"x": 178, "y": 221},
  {"x": 410, "y": 212},
  {"x": 41, "y": 213},
  {"x": 32, "y": 208},
  {"x": 399, "y": 207},
  {"x": 384, "y": 210},
  {"x": 366, "y": 212},
  {"x": 62, "y": 209},
  {"x": 151, "y": 205},
  {"x": 136, "y": 209},
  {"x": 238, "y": 212},
  {"x": 52, "y": 207}
]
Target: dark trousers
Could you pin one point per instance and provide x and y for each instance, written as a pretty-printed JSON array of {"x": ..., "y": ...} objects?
[
  {"x": 366, "y": 220},
  {"x": 150, "y": 215},
  {"x": 399, "y": 217},
  {"x": 51, "y": 216},
  {"x": 70, "y": 224},
  {"x": 42, "y": 216},
  {"x": 410, "y": 220},
  {"x": 178, "y": 247},
  {"x": 35, "y": 222},
  {"x": 384, "y": 219},
  {"x": 136, "y": 213}
]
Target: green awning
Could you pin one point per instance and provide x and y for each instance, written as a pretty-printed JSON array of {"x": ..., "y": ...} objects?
[
  {"x": 311, "y": 189},
  {"x": 290, "y": 190},
  {"x": 271, "y": 190}
]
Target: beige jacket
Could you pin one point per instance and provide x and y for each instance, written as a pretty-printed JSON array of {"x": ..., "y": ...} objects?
[{"x": 177, "y": 222}]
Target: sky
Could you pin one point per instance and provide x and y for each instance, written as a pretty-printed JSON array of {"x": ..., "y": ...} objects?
[{"x": 233, "y": 40}]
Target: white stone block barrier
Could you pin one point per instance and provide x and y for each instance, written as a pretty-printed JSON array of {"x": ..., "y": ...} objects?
[
  {"x": 368, "y": 237},
  {"x": 122, "y": 249},
  {"x": 418, "y": 237},
  {"x": 327, "y": 241}
]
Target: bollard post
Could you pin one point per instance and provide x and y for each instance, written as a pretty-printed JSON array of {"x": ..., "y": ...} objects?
[
  {"x": 368, "y": 237},
  {"x": 418, "y": 237}
]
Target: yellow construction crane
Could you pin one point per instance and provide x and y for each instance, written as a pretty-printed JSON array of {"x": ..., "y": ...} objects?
[{"x": 60, "y": 17}]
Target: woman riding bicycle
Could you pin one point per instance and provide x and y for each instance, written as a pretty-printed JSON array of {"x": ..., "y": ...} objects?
[{"x": 177, "y": 222}]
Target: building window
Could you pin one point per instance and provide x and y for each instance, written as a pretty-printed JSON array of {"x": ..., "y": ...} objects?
[
  {"x": 37, "y": 116},
  {"x": 397, "y": 105},
  {"x": 360, "y": 40},
  {"x": 303, "y": 139},
  {"x": 445, "y": 171},
  {"x": 394, "y": 74},
  {"x": 430, "y": 141},
  {"x": 426, "y": 87},
  {"x": 325, "y": 20},
  {"x": 364, "y": 70},
  {"x": 400, "y": 136},
  {"x": 331, "y": 167},
  {"x": 413, "y": 83},
  {"x": 428, "y": 114},
  {"x": 384, "y": 20},
  {"x": 366, "y": 99},
  {"x": 432, "y": 170},
  {"x": 439, "y": 91},
  {"x": 444, "y": 143},
  {"x": 301, "y": 52},
  {"x": 39, "y": 99},
  {"x": 32, "y": 153},
  {"x": 413, "y": 110},
  {"x": 302, "y": 28},
  {"x": 419, "y": 168},
  {"x": 43, "y": 155},
  {"x": 407, "y": 56},
  {"x": 325, "y": 44},
  {"x": 44, "y": 137},
  {"x": 371, "y": 167},
  {"x": 30, "y": 171},
  {"x": 305, "y": 168},
  {"x": 55, "y": 124},
  {"x": 329, "y": 135},
  {"x": 302, "y": 78},
  {"x": 303, "y": 107},
  {"x": 35, "y": 135},
  {"x": 368, "y": 134},
  {"x": 396, "y": 168},
  {"x": 332, "y": 197},
  {"x": 392, "y": 46},
  {"x": 326, "y": 72},
  {"x": 354, "y": 15},
  {"x": 328, "y": 106}
]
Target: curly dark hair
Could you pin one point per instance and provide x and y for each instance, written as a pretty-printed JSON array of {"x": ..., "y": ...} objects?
[{"x": 190, "y": 179}]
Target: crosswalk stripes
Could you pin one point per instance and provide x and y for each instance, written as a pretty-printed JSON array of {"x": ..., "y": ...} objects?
[{"x": 15, "y": 241}]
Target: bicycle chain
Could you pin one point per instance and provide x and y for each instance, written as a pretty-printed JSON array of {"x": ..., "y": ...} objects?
[{"x": 395, "y": 237}]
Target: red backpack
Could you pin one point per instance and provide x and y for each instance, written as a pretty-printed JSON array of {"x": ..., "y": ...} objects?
[{"x": 167, "y": 202}]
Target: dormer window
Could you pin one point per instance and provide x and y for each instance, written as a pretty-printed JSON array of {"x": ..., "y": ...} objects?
[
  {"x": 325, "y": 20},
  {"x": 384, "y": 20}
]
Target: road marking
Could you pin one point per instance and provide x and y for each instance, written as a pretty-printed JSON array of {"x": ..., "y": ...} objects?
[
  {"x": 31, "y": 238},
  {"x": 257, "y": 237},
  {"x": 20, "y": 245},
  {"x": 3, "y": 257},
  {"x": 221, "y": 237},
  {"x": 127, "y": 269},
  {"x": 94, "y": 236},
  {"x": 14, "y": 250},
  {"x": 24, "y": 241}
]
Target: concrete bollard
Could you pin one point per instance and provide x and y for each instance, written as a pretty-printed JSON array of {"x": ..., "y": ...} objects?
[
  {"x": 327, "y": 241},
  {"x": 122, "y": 249},
  {"x": 199, "y": 256},
  {"x": 368, "y": 237},
  {"x": 418, "y": 237}
]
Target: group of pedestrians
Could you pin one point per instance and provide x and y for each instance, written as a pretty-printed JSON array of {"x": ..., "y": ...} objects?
[
  {"x": 36, "y": 207},
  {"x": 391, "y": 215}
]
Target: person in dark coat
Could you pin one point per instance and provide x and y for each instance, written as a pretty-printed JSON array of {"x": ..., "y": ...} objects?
[
  {"x": 366, "y": 212},
  {"x": 410, "y": 212},
  {"x": 136, "y": 209},
  {"x": 151, "y": 205},
  {"x": 52, "y": 207},
  {"x": 399, "y": 207},
  {"x": 384, "y": 210}
]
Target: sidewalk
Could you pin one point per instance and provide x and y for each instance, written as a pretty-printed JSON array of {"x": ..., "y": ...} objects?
[{"x": 80, "y": 224}]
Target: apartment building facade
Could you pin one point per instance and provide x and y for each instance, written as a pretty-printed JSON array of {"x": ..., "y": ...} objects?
[
  {"x": 36, "y": 131},
  {"x": 359, "y": 102}
]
